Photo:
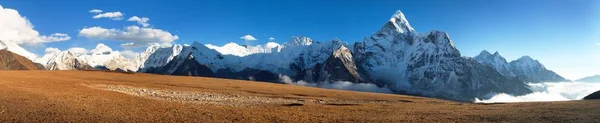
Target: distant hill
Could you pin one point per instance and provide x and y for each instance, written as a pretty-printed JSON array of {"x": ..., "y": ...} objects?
[
  {"x": 12, "y": 61},
  {"x": 595, "y": 78},
  {"x": 595, "y": 95}
]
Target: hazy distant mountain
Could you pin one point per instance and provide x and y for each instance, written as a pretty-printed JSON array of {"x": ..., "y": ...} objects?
[{"x": 595, "y": 78}]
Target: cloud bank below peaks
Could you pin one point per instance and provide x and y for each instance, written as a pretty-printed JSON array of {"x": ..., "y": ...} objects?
[
  {"x": 339, "y": 85},
  {"x": 550, "y": 91}
]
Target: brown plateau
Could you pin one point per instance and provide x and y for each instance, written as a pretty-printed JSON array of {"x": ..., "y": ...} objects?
[{"x": 95, "y": 96}]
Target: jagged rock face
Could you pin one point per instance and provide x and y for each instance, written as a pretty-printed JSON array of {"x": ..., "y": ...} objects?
[
  {"x": 12, "y": 61},
  {"x": 428, "y": 64},
  {"x": 524, "y": 69},
  {"x": 530, "y": 70},
  {"x": 248, "y": 74},
  {"x": 462, "y": 79},
  {"x": 495, "y": 61},
  {"x": 157, "y": 56},
  {"x": 340, "y": 66},
  {"x": 191, "y": 67},
  {"x": 309, "y": 63}
]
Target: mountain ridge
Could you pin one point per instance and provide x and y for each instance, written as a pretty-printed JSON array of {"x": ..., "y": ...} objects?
[
  {"x": 524, "y": 68},
  {"x": 395, "y": 57}
]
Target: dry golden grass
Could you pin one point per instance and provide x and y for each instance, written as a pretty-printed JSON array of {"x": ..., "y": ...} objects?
[{"x": 80, "y": 96}]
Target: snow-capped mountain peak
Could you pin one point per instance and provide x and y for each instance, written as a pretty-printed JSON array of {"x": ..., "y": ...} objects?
[
  {"x": 531, "y": 70},
  {"x": 157, "y": 56},
  {"x": 495, "y": 61},
  {"x": 525, "y": 68},
  {"x": 237, "y": 50},
  {"x": 299, "y": 41},
  {"x": 400, "y": 22}
]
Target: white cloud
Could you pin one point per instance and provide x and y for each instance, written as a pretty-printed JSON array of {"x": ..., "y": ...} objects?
[
  {"x": 127, "y": 44},
  {"x": 142, "y": 21},
  {"x": 598, "y": 43},
  {"x": 129, "y": 54},
  {"x": 271, "y": 39},
  {"x": 111, "y": 15},
  {"x": 550, "y": 91},
  {"x": 18, "y": 29},
  {"x": 78, "y": 50},
  {"x": 51, "y": 50},
  {"x": 248, "y": 38},
  {"x": 139, "y": 36},
  {"x": 132, "y": 45},
  {"x": 95, "y": 11},
  {"x": 56, "y": 37},
  {"x": 101, "y": 48},
  {"x": 340, "y": 85}
]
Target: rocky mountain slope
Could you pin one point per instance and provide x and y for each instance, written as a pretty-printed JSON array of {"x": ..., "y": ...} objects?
[
  {"x": 64, "y": 60},
  {"x": 12, "y": 61},
  {"x": 525, "y": 69},
  {"x": 15, "y": 48}
]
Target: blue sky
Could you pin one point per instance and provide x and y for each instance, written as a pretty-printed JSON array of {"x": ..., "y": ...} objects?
[{"x": 562, "y": 34}]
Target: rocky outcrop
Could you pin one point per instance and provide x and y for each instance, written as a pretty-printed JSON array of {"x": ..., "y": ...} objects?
[
  {"x": 191, "y": 67},
  {"x": 340, "y": 66}
]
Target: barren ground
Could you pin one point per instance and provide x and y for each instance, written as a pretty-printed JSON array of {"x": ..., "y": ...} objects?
[{"x": 94, "y": 96}]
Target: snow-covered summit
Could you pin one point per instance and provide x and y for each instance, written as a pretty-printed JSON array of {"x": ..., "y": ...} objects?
[
  {"x": 495, "y": 61},
  {"x": 400, "y": 22},
  {"x": 64, "y": 60},
  {"x": 427, "y": 64},
  {"x": 157, "y": 56},
  {"x": 299, "y": 41},
  {"x": 530, "y": 70},
  {"x": 525, "y": 69},
  {"x": 237, "y": 50}
]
